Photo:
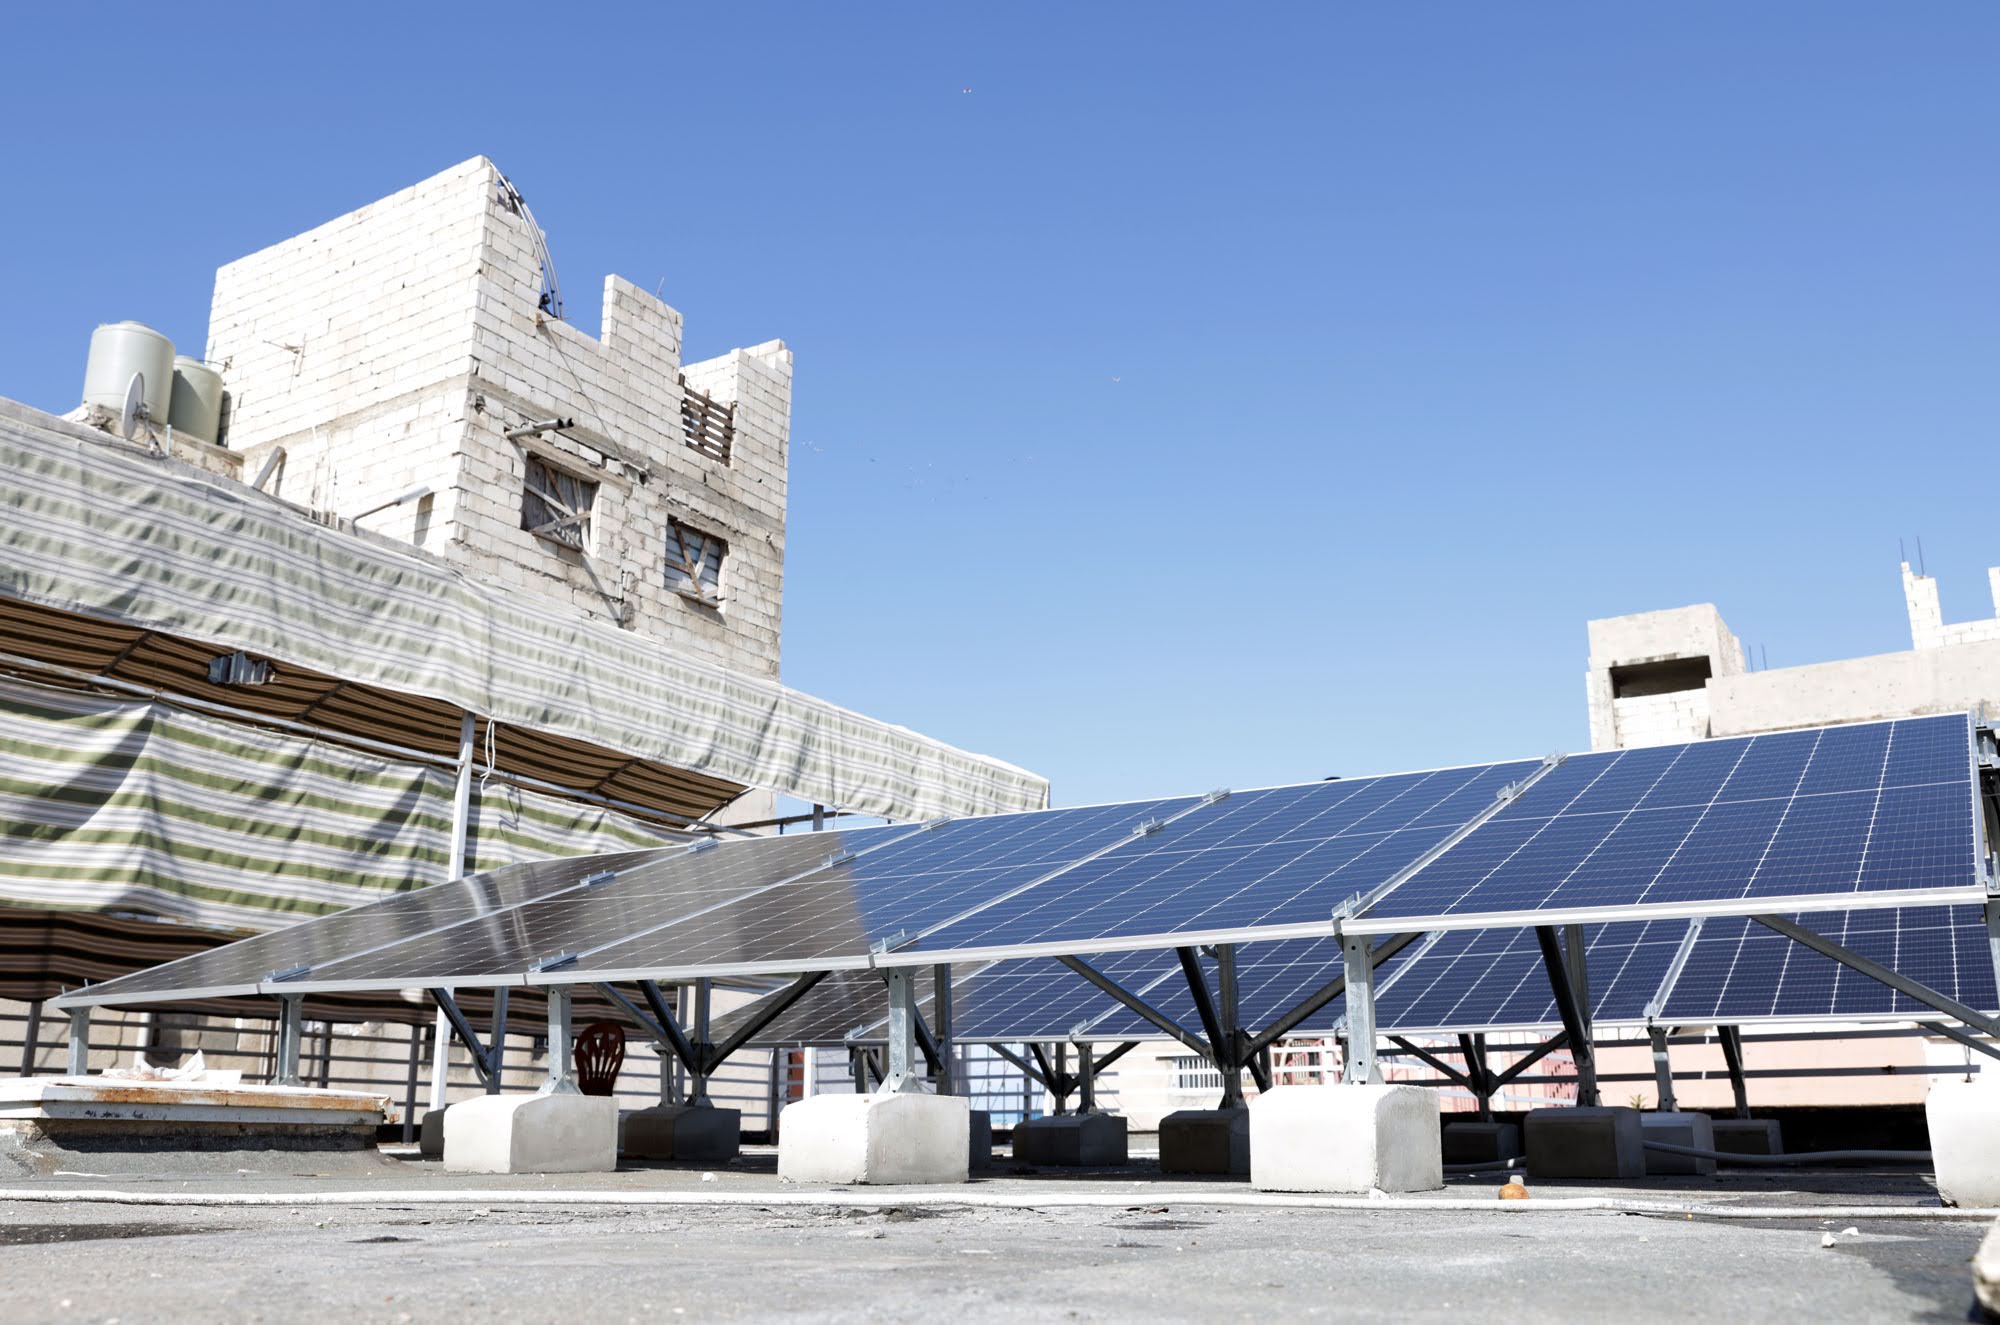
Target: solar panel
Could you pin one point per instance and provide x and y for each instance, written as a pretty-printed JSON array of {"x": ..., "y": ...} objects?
[
  {"x": 238, "y": 968},
  {"x": 1832, "y": 811},
  {"x": 1282, "y": 856},
  {"x": 830, "y": 1012},
  {"x": 1740, "y": 971},
  {"x": 837, "y": 917},
  {"x": 501, "y": 947}
]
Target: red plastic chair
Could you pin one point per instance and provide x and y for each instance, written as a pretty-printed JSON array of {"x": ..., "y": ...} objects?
[{"x": 600, "y": 1052}]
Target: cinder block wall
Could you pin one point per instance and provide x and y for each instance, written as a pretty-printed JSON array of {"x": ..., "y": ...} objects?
[{"x": 396, "y": 346}]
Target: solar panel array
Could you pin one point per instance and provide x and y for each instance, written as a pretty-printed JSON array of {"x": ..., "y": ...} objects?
[
  {"x": 1878, "y": 809},
  {"x": 1833, "y": 810}
]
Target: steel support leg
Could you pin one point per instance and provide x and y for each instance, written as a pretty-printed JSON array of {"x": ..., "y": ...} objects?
[
  {"x": 903, "y": 1074},
  {"x": 1360, "y": 972},
  {"x": 291, "y": 1029},
  {"x": 410, "y": 1084},
  {"x": 1086, "y": 1079},
  {"x": 1663, "y": 1072},
  {"x": 440, "y": 1058},
  {"x": 496, "y": 1049},
  {"x": 1732, "y": 1054},
  {"x": 1569, "y": 1007},
  {"x": 30, "y": 1037},
  {"x": 1473, "y": 1049},
  {"x": 941, "y": 1028},
  {"x": 562, "y": 1045},
  {"x": 697, "y": 1092},
  {"x": 79, "y": 1042}
]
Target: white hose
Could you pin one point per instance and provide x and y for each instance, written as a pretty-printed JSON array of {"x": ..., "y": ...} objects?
[{"x": 1798, "y": 1157}]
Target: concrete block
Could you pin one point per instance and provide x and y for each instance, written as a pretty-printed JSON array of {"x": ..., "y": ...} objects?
[
  {"x": 698, "y": 1134},
  {"x": 881, "y": 1138},
  {"x": 1480, "y": 1143},
  {"x": 430, "y": 1134},
  {"x": 1206, "y": 1141},
  {"x": 1074, "y": 1140},
  {"x": 1585, "y": 1143},
  {"x": 1678, "y": 1129},
  {"x": 1346, "y": 1139},
  {"x": 532, "y": 1134},
  {"x": 979, "y": 1140},
  {"x": 1964, "y": 1121},
  {"x": 1748, "y": 1136}
]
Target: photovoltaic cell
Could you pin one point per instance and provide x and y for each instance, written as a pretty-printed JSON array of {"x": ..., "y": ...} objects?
[
  {"x": 1283, "y": 856},
  {"x": 239, "y": 967},
  {"x": 1740, "y": 970},
  {"x": 1828, "y": 811}
]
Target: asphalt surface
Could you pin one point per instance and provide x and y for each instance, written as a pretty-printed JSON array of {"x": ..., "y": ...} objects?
[{"x": 1156, "y": 1250}]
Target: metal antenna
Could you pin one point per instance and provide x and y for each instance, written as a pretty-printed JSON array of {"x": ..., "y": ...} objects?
[
  {"x": 551, "y": 300},
  {"x": 1920, "y": 556}
]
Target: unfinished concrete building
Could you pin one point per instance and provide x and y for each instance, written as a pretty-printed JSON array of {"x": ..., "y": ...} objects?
[{"x": 457, "y": 584}]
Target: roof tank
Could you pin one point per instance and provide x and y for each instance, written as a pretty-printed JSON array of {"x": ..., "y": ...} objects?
[
  {"x": 197, "y": 400},
  {"x": 120, "y": 349}
]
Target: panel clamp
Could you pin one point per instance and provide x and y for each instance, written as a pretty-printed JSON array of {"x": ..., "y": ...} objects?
[{"x": 289, "y": 973}]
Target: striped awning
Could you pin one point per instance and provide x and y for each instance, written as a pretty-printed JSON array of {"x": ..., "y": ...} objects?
[{"x": 95, "y": 528}]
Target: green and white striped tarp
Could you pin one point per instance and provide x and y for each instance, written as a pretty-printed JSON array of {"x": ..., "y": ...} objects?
[
  {"x": 92, "y": 526},
  {"x": 133, "y": 805}
]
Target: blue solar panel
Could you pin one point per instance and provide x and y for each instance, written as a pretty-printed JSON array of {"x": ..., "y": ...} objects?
[
  {"x": 1475, "y": 979},
  {"x": 1739, "y": 970},
  {"x": 1288, "y": 855},
  {"x": 1833, "y": 810}
]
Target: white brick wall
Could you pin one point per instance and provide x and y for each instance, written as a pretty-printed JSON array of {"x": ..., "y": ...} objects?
[{"x": 395, "y": 347}]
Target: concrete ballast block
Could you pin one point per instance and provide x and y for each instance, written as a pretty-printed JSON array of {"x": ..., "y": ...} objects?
[
  {"x": 979, "y": 1139},
  {"x": 532, "y": 1134},
  {"x": 1748, "y": 1136},
  {"x": 882, "y": 1138},
  {"x": 1074, "y": 1140},
  {"x": 1693, "y": 1130},
  {"x": 1986, "y": 1273},
  {"x": 1206, "y": 1141},
  {"x": 430, "y": 1134},
  {"x": 697, "y": 1134},
  {"x": 1585, "y": 1143},
  {"x": 1480, "y": 1143},
  {"x": 1964, "y": 1121},
  {"x": 1346, "y": 1138}
]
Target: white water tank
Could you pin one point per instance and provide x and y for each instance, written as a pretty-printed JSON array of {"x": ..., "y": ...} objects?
[
  {"x": 197, "y": 399},
  {"x": 120, "y": 349}
]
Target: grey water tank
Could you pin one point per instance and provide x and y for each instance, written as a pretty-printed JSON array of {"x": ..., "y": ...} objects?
[
  {"x": 120, "y": 349},
  {"x": 197, "y": 402}
]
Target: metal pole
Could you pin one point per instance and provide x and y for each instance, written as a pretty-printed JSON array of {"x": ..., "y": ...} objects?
[
  {"x": 410, "y": 1087},
  {"x": 772, "y": 1089},
  {"x": 1732, "y": 1054},
  {"x": 440, "y": 1057},
  {"x": 79, "y": 1042},
  {"x": 819, "y": 818},
  {"x": 1565, "y": 992},
  {"x": 902, "y": 1030},
  {"x": 496, "y": 1046},
  {"x": 1360, "y": 971},
  {"x": 1663, "y": 1072},
  {"x": 291, "y": 1029},
  {"x": 325, "y": 1054},
  {"x": 30, "y": 1038},
  {"x": 698, "y": 1083},
  {"x": 1086, "y": 1077},
  {"x": 562, "y": 1064},
  {"x": 1229, "y": 1052},
  {"x": 461, "y": 824},
  {"x": 941, "y": 1028}
]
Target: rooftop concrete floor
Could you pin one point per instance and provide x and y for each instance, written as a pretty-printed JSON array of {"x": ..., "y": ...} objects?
[{"x": 419, "y": 1244}]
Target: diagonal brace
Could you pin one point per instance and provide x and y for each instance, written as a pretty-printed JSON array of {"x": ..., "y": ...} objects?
[
  {"x": 1136, "y": 1004},
  {"x": 1450, "y": 1073},
  {"x": 1324, "y": 995},
  {"x": 483, "y": 1055},
  {"x": 1902, "y": 984}
]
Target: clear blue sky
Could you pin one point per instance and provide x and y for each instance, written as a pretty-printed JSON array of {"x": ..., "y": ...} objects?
[{"x": 1187, "y": 395}]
